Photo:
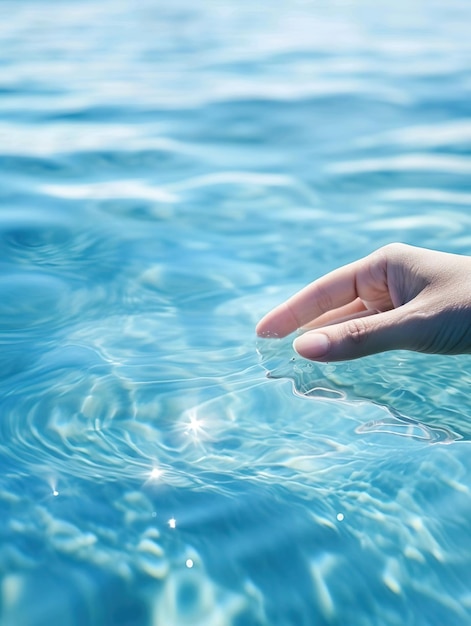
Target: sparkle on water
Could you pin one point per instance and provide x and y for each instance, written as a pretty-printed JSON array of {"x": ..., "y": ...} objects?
[{"x": 168, "y": 173}]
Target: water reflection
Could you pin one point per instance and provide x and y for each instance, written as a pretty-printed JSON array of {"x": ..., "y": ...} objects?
[
  {"x": 168, "y": 173},
  {"x": 398, "y": 382}
]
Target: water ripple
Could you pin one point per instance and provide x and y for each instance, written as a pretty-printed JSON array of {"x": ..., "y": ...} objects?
[
  {"x": 386, "y": 382},
  {"x": 167, "y": 174}
]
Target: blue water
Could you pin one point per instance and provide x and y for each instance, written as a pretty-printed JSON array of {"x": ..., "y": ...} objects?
[{"x": 168, "y": 173}]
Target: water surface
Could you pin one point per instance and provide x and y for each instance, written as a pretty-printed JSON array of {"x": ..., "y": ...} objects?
[{"x": 167, "y": 175}]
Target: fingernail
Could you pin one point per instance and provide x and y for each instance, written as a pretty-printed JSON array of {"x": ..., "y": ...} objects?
[{"x": 312, "y": 345}]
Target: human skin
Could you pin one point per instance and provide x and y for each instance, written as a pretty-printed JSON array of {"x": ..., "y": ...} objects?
[{"x": 399, "y": 297}]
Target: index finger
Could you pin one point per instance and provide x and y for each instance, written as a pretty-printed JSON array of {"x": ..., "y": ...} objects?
[{"x": 335, "y": 289}]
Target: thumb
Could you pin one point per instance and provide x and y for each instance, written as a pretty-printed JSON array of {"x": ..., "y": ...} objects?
[{"x": 397, "y": 329}]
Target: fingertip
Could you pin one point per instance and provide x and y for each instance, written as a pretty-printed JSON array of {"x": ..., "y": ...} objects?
[
  {"x": 262, "y": 329},
  {"x": 270, "y": 327},
  {"x": 279, "y": 322},
  {"x": 313, "y": 345}
]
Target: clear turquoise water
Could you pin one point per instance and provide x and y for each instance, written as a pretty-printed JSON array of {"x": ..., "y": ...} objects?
[{"x": 167, "y": 174}]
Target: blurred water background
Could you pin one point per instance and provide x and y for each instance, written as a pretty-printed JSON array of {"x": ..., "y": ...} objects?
[{"x": 168, "y": 173}]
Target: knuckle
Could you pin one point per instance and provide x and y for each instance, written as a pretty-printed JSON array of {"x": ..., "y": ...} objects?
[
  {"x": 356, "y": 331},
  {"x": 323, "y": 300},
  {"x": 391, "y": 252},
  {"x": 394, "y": 248}
]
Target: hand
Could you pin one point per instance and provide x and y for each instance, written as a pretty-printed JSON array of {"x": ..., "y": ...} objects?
[{"x": 398, "y": 298}]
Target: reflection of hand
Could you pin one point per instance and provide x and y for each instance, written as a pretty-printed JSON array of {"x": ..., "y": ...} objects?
[{"x": 398, "y": 298}]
